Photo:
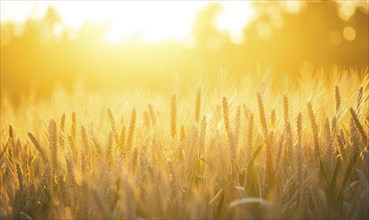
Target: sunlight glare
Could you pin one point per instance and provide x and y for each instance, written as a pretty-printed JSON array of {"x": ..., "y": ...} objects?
[
  {"x": 233, "y": 19},
  {"x": 153, "y": 21},
  {"x": 147, "y": 21}
]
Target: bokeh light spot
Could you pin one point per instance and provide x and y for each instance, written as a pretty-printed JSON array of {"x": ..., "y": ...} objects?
[
  {"x": 264, "y": 30},
  {"x": 235, "y": 16},
  {"x": 349, "y": 33}
]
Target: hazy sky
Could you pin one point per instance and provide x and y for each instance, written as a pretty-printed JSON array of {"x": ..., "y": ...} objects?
[{"x": 155, "y": 19}]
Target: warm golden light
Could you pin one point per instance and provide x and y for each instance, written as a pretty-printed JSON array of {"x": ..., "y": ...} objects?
[
  {"x": 195, "y": 109},
  {"x": 335, "y": 38}
]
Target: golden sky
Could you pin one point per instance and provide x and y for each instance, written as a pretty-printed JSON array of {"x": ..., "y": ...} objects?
[{"x": 155, "y": 20}]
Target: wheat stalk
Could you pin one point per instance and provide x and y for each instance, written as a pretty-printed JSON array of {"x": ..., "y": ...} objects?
[
  {"x": 299, "y": 127},
  {"x": 62, "y": 122},
  {"x": 359, "y": 100},
  {"x": 338, "y": 100},
  {"x": 182, "y": 134},
  {"x": 342, "y": 149},
  {"x": 74, "y": 128},
  {"x": 262, "y": 115},
  {"x": 146, "y": 119},
  {"x": 198, "y": 105},
  {"x": 113, "y": 127},
  {"x": 173, "y": 117},
  {"x": 131, "y": 131},
  {"x": 85, "y": 149},
  {"x": 53, "y": 145},
  {"x": 20, "y": 177},
  {"x": 314, "y": 128},
  {"x": 122, "y": 137},
  {"x": 226, "y": 115},
  {"x": 249, "y": 137},
  {"x": 38, "y": 147},
  {"x": 62, "y": 130},
  {"x": 202, "y": 136},
  {"x": 299, "y": 156},
  {"x": 289, "y": 141},
  {"x": 359, "y": 126},
  {"x": 273, "y": 118},
  {"x": 237, "y": 127},
  {"x": 285, "y": 108},
  {"x": 152, "y": 114}
]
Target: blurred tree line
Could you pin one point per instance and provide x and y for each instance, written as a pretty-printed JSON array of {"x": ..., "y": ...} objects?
[{"x": 37, "y": 59}]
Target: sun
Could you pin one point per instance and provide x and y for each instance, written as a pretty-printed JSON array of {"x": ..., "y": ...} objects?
[
  {"x": 234, "y": 17},
  {"x": 152, "y": 21},
  {"x": 148, "y": 21}
]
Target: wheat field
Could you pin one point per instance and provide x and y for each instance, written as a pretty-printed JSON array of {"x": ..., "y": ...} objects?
[{"x": 260, "y": 148}]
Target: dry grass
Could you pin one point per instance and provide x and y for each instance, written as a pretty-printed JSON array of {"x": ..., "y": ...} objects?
[{"x": 306, "y": 157}]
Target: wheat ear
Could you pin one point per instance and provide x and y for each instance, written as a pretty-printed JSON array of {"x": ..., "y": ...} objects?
[{"x": 38, "y": 147}]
